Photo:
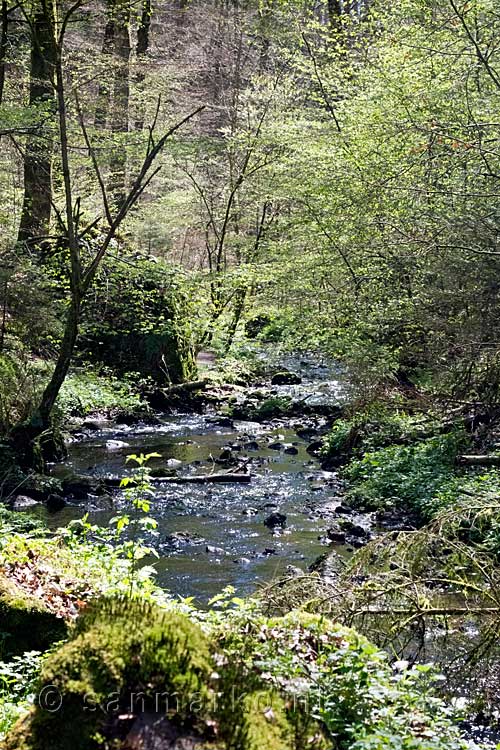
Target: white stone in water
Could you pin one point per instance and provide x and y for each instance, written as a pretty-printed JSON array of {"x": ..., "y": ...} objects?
[
  {"x": 116, "y": 445},
  {"x": 173, "y": 463}
]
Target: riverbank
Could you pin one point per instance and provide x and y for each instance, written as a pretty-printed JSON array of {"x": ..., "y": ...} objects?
[
  {"x": 325, "y": 482},
  {"x": 309, "y": 677}
]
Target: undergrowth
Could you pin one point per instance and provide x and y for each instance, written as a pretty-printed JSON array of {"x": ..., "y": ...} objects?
[{"x": 85, "y": 392}]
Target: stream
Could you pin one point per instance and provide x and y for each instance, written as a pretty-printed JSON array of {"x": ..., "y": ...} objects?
[{"x": 213, "y": 535}]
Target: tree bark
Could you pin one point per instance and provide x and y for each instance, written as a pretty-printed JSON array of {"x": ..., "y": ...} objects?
[
  {"x": 4, "y": 35},
  {"x": 120, "y": 108},
  {"x": 104, "y": 93},
  {"x": 37, "y": 202},
  {"x": 141, "y": 51}
]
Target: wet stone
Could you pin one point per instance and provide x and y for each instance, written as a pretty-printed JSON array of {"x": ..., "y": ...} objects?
[
  {"x": 181, "y": 538},
  {"x": 354, "y": 529},
  {"x": 336, "y": 535},
  {"x": 286, "y": 378},
  {"x": 277, "y": 446},
  {"x": 276, "y": 519},
  {"x": 315, "y": 447},
  {"x": 252, "y": 445},
  {"x": 116, "y": 445},
  {"x": 344, "y": 509},
  {"x": 23, "y": 502},
  {"x": 214, "y": 550},
  {"x": 55, "y": 503}
]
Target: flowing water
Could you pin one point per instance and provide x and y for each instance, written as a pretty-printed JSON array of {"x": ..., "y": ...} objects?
[{"x": 212, "y": 535}]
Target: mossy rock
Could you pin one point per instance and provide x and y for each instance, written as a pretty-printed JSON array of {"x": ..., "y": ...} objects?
[
  {"x": 124, "y": 656},
  {"x": 25, "y": 622},
  {"x": 265, "y": 723}
]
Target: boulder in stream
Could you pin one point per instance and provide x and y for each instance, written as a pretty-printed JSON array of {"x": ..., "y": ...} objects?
[
  {"x": 214, "y": 550},
  {"x": 23, "y": 502},
  {"x": 315, "y": 447},
  {"x": 55, "y": 503},
  {"x": 276, "y": 446},
  {"x": 116, "y": 445},
  {"x": 336, "y": 535},
  {"x": 285, "y": 377},
  {"x": 275, "y": 519}
]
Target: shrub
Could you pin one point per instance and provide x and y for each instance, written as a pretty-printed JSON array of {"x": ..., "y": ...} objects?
[
  {"x": 404, "y": 475},
  {"x": 137, "y": 320},
  {"x": 373, "y": 428},
  {"x": 87, "y": 391}
]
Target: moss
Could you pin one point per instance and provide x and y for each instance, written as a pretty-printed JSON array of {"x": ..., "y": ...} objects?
[
  {"x": 265, "y": 723},
  {"x": 25, "y": 623},
  {"x": 124, "y": 657}
]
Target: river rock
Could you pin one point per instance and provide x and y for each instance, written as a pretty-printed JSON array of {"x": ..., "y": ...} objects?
[
  {"x": 55, "y": 503},
  {"x": 221, "y": 421},
  {"x": 277, "y": 446},
  {"x": 128, "y": 419},
  {"x": 116, "y": 445},
  {"x": 226, "y": 454},
  {"x": 250, "y": 511},
  {"x": 80, "y": 487},
  {"x": 275, "y": 519},
  {"x": 336, "y": 535},
  {"x": 173, "y": 463},
  {"x": 23, "y": 502},
  {"x": 344, "y": 509},
  {"x": 214, "y": 550},
  {"x": 285, "y": 377},
  {"x": 353, "y": 529},
  {"x": 91, "y": 426},
  {"x": 291, "y": 450},
  {"x": 180, "y": 538},
  {"x": 315, "y": 447},
  {"x": 252, "y": 445},
  {"x": 396, "y": 520},
  {"x": 155, "y": 732}
]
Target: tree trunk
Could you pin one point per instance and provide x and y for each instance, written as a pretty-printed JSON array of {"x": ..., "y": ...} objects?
[
  {"x": 64, "y": 358},
  {"x": 104, "y": 93},
  {"x": 120, "y": 111},
  {"x": 239, "y": 306},
  {"x": 479, "y": 460},
  {"x": 113, "y": 96},
  {"x": 35, "y": 216},
  {"x": 141, "y": 50},
  {"x": 4, "y": 33}
]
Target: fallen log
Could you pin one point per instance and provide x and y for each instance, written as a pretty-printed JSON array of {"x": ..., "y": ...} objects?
[
  {"x": 479, "y": 460},
  {"x": 196, "y": 479}
]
